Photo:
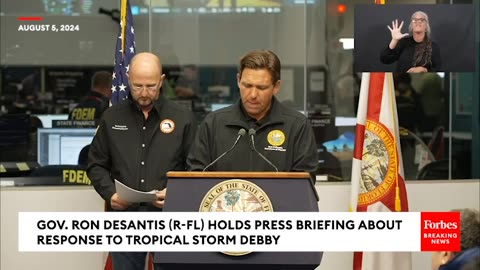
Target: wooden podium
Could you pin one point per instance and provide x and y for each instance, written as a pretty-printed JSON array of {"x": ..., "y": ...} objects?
[{"x": 287, "y": 191}]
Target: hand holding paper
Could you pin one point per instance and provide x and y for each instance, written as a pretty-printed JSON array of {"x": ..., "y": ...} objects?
[
  {"x": 160, "y": 201},
  {"x": 117, "y": 203},
  {"x": 134, "y": 196}
]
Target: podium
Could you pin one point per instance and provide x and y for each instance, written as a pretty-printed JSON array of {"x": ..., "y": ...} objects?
[{"x": 287, "y": 191}]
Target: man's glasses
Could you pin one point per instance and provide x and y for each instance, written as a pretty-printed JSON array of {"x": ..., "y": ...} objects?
[
  {"x": 139, "y": 88},
  {"x": 418, "y": 20}
]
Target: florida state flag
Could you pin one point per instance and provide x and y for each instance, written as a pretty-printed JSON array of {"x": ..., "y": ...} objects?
[{"x": 377, "y": 170}]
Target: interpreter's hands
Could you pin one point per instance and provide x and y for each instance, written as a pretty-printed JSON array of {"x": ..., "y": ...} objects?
[
  {"x": 117, "y": 203},
  {"x": 396, "y": 30},
  {"x": 160, "y": 201},
  {"x": 417, "y": 70}
]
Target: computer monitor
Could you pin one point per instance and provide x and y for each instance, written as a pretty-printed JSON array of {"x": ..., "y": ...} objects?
[
  {"x": 61, "y": 146},
  {"x": 218, "y": 106},
  {"x": 335, "y": 138}
]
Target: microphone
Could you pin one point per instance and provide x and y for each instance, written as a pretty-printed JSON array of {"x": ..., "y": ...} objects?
[
  {"x": 241, "y": 133},
  {"x": 251, "y": 134}
]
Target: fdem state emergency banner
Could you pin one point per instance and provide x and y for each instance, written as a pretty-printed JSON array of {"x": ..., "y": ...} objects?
[{"x": 238, "y": 232}]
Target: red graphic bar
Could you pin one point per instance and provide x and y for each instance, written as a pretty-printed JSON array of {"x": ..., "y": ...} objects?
[
  {"x": 440, "y": 231},
  {"x": 30, "y": 18}
]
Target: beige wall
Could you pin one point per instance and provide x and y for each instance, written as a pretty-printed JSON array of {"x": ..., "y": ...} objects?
[{"x": 44, "y": 199}]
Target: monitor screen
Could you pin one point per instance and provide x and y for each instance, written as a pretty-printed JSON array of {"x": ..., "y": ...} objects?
[
  {"x": 218, "y": 106},
  {"x": 61, "y": 146},
  {"x": 335, "y": 138}
]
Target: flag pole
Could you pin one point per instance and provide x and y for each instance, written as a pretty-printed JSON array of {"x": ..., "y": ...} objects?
[
  {"x": 398, "y": 202},
  {"x": 123, "y": 18}
]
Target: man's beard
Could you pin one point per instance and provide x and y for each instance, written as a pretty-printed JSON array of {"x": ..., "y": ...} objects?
[{"x": 144, "y": 102}]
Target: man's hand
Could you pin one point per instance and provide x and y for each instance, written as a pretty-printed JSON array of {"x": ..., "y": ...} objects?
[
  {"x": 417, "y": 70},
  {"x": 160, "y": 201},
  {"x": 117, "y": 203}
]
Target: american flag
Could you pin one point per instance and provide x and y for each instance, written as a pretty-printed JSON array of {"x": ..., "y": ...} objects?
[{"x": 124, "y": 52}]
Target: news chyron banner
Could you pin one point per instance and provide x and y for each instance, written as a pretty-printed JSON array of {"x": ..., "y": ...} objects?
[{"x": 239, "y": 233}]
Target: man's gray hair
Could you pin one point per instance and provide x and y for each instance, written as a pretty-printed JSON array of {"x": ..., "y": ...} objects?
[{"x": 469, "y": 228}]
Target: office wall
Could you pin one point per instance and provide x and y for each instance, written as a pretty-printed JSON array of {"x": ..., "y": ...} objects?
[
  {"x": 208, "y": 39},
  {"x": 476, "y": 100},
  {"x": 423, "y": 196},
  {"x": 348, "y": 29}
]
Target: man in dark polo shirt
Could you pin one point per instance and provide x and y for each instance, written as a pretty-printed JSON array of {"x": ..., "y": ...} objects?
[
  {"x": 97, "y": 100},
  {"x": 283, "y": 135},
  {"x": 138, "y": 140}
]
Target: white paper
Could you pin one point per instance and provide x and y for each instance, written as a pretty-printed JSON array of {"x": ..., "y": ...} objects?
[{"x": 132, "y": 195}]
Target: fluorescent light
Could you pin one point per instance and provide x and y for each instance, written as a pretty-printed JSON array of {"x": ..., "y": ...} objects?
[
  {"x": 347, "y": 43},
  {"x": 345, "y": 121}
]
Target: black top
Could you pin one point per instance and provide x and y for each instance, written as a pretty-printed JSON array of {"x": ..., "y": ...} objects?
[
  {"x": 404, "y": 52},
  {"x": 139, "y": 152},
  {"x": 284, "y": 136},
  {"x": 90, "y": 108}
]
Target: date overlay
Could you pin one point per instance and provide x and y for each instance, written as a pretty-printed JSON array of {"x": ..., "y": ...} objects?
[{"x": 48, "y": 28}]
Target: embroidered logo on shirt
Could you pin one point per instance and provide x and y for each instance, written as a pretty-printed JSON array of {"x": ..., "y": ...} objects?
[
  {"x": 120, "y": 127},
  {"x": 167, "y": 126},
  {"x": 275, "y": 138}
]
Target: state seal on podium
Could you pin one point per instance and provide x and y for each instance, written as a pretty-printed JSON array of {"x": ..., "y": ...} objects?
[{"x": 236, "y": 195}]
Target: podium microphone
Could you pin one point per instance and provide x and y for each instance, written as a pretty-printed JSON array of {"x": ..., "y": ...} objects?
[
  {"x": 251, "y": 134},
  {"x": 241, "y": 133}
]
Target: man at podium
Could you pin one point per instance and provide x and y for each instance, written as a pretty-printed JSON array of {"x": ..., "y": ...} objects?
[{"x": 257, "y": 133}]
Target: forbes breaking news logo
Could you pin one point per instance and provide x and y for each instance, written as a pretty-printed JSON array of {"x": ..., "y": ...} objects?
[{"x": 440, "y": 231}]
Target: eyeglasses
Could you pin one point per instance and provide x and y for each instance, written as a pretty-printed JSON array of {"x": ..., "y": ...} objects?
[
  {"x": 418, "y": 20},
  {"x": 139, "y": 88}
]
